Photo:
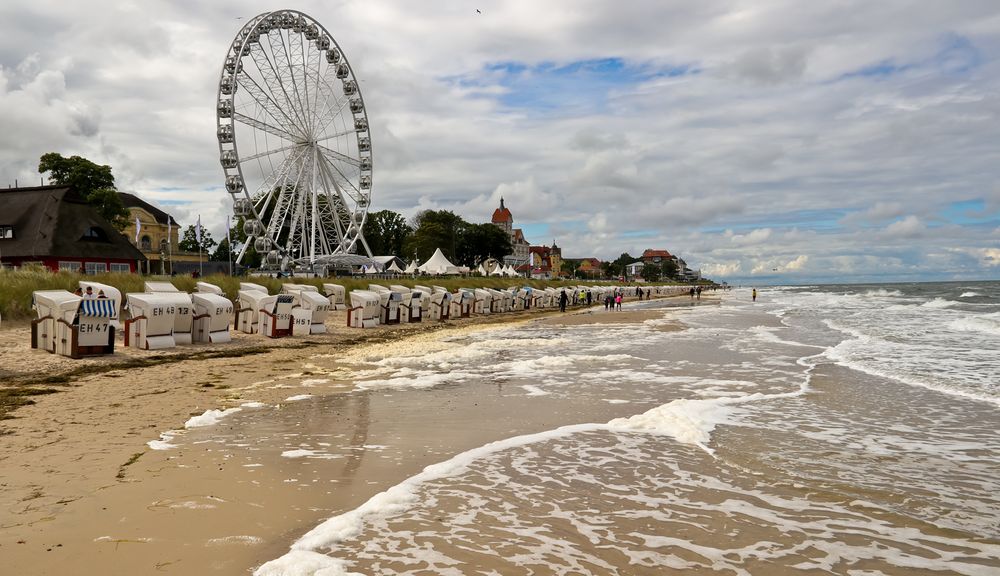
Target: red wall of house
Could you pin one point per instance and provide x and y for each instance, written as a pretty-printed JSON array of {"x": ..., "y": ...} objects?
[{"x": 53, "y": 263}]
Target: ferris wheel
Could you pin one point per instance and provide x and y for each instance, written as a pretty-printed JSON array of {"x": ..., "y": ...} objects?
[{"x": 294, "y": 143}]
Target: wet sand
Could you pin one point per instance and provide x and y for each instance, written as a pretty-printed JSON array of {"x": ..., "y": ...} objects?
[{"x": 84, "y": 494}]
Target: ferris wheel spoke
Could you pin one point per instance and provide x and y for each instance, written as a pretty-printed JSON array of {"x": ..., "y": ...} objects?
[
  {"x": 286, "y": 76},
  {"x": 307, "y": 68},
  {"x": 268, "y": 153},
  {"x": 272, "y": 69},
  {"x": 342, "y": 184},
  {"x": 316, "y": 55},
  {"x": 344, "y": 180},
  {"x": 332, "y": 201},
  {"x": 337, "y": 135},
  {"x": 356, "y": 162},
  {"x": 274, "y": 130},
  {"x": 275, "y": 91},
  {"x": 265, "y": 101},
  {"x": 330, "y": 112},
  {"x": 268, "y": 190},
  {"x": 296, "y": 207}
]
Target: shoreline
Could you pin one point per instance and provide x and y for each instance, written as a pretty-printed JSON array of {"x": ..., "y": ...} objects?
[{"x": 87, "y": 444}]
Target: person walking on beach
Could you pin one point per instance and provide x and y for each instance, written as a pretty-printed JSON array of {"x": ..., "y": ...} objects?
[
  {"x": 698, "y": 292},
  {"x": 562, "y": 301},
  {"x": 691, "y": 292},
  {"x": 618, "y": 302},
  {"x": 754, "y": 294}
]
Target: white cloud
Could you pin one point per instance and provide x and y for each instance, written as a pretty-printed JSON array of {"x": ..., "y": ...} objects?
[
  {"x": 723, "y": 269},
  {"x": 907, "y": 228},
  {"x": 798, "y": 264},
  {"x": 878, "y": 212},
  {"x": 990, "y": 257},
  {"x": 757, "y": 236}
]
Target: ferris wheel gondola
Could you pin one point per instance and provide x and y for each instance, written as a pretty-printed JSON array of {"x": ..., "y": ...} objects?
[{"x": 294, "y": 143}]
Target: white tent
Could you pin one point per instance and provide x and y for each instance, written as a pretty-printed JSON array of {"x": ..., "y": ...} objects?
[
  {"x": 411, "y": 268},
  {"x": 482, "y": 270},
  {"x": 438, "y": 264},
  {"x": 394, "y": 268},
  {"x": 371, "y": 269}
]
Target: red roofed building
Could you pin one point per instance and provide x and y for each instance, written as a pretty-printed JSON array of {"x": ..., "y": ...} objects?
[
  {"x": 650, "y": 256},
  {"x": 505, "y": 220}
]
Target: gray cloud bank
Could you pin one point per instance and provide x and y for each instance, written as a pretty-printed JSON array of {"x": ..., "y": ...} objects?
[{"x": 764, "y": 142}]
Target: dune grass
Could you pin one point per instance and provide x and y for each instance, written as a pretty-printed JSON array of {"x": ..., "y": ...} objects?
[{"x": 16, "y": 286}]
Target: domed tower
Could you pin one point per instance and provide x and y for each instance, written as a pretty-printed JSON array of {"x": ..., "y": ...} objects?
[{"x": 503, "y": 218}]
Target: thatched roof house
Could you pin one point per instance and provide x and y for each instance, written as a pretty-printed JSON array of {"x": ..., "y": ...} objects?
[{"x": 54, "y": 226}]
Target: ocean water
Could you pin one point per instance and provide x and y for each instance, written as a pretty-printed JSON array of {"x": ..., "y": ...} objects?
[{"x": 819, "y": 430}]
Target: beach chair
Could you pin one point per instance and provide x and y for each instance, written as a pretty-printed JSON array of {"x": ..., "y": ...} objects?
[
  {"x": 405, "y": 304},
  {"x": 364, "y": 310},
  {"x": 206, "y": 288},
  {"x": 389, "y": 302},
  {"x": 275, "y": 315},
  {"x": 248, "y": 305},
  {"x": 425, "y": 300},
  {"x": 483, "y": 302},
  {"x": 150, "y": 325},
  {"x": 252, "y": 286},
  {"x": 419, "y": 303},
  {"x": 310, "y": 311},
  {"x": 111, "y": 293},
  {"x": 71, "y": 326},
  {"x": 461, "y": 304},
  {"x": 336, "y": 295},
  {"x": 183, "y": 309},
  {"x": 211, "y": 318},
  {"x": 440, "y": 307}
]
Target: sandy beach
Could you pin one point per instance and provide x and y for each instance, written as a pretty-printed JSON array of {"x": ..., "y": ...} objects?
[{"x": 84, "y": 492}]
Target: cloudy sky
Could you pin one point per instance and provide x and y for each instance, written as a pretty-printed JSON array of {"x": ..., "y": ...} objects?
[{"x": 765, "y": 141}]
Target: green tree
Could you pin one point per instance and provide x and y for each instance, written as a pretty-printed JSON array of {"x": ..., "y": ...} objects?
[
  {"x": 669, "y": 268},
  {"x": 651, "y": 272},
  {"x": 93, "y": 182},
  {"x": 222, "y": 252},
  {"x": 433, "y": 229},
  {"x": 477, "y": 242},
  {"x": 386, "y": 231},
  {"x": 189, "y": 243},
  {"x": 570, "y": 267}
]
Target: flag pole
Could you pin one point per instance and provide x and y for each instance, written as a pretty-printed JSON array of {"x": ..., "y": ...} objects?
[
  {"x": 201, "y": 271},
  {"x": 229, "y": 245},
  {"x": 170, "y": 245}
]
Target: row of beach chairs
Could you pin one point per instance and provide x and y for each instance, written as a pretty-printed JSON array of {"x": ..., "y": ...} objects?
[{"x": 86, "y": 323}]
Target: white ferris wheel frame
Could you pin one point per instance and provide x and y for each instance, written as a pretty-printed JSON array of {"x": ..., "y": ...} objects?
[{"x": 305, "y": 199}]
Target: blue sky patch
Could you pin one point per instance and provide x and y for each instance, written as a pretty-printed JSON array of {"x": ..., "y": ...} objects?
[{"x": 582, "y": 86}]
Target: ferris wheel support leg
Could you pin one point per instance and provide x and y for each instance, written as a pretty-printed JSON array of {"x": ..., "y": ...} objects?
[{"x": 365, "y": 244}]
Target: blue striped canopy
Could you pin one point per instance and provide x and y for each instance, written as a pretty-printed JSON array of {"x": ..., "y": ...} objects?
[{"x": 99, "y": 308}]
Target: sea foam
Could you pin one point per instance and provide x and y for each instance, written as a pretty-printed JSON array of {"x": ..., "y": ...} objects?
[
  {"x": 209, "y": 418},
  {"x": 302, "y": 558},
  {"x": 987, "y": 324}
]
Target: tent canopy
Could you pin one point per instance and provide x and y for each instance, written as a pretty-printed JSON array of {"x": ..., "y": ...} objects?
[{"x": 438, "y": 264}]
